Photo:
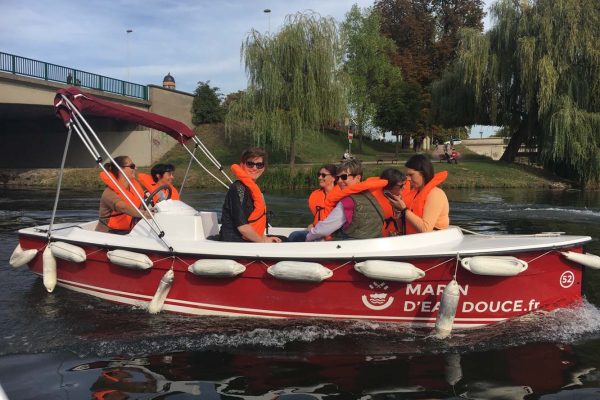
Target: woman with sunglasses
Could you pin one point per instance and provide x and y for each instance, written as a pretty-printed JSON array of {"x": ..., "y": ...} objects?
[
  {"x": 422, "y": 206},
  {"x": 116, "y": 213},
  {"x": 357, "y": 216},
  {"x": 244, "y": 216},
  {"x": 316, "y": 201}
]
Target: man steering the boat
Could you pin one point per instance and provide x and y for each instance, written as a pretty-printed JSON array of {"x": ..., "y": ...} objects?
[
  {"x": 244, "y": 216},
  {"x": 116, "y": 214},
  {"x": 357, "y": 214}
]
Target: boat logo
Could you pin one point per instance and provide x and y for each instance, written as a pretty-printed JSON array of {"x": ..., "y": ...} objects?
[
  {"x": 567, "y": 279},
  {"x": 378, "y": 300}
]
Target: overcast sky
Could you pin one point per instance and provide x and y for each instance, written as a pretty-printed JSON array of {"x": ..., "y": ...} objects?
[{"x": 194, "y": 40}]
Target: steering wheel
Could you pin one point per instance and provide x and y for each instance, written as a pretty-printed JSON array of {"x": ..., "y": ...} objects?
[{"x": 149, "y": 200}]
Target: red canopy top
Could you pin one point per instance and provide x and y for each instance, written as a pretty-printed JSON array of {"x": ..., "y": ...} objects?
[{"x": 88, "y": 104}]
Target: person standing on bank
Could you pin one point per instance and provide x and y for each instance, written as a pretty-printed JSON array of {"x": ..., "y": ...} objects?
[
  {"x": 116, "y": 214},
  {"x": 244, "y": 216},
  {"x": 422, "y": 206}
]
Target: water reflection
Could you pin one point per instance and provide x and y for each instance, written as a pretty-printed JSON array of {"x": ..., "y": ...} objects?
[{"x": 511, "y": 374}]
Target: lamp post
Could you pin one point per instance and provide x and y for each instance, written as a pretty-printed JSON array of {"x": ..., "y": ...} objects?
[
  {"x": 268, "y": 12},
  {"x": 128, "y": 31}
]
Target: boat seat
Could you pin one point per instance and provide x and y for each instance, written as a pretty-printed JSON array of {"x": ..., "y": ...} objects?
[{"x": 210, "y": 223}]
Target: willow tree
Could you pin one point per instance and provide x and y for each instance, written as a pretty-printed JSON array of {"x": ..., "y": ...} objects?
[
  {"x": 537, "y": 73},
  {"x": 294, "y": 85},
  {"x": 366, "y": 62}
]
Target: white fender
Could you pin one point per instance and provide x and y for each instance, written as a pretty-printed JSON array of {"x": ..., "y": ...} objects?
[
  {"x": 587, "y": 259},
  {"x": 447, "y": 312},
  {"x": 389, "y": 270},
  {"x": 300, "y": 271},
  {"x": 129, "y": 259},
  {"x": 161, "y": 292},
  {"x": 216, "y": 268},
  {"x": 49, "y": 269},
  {"x": 68, "y": 252},
  {"x": 21, "y": 257},
  {"x": 494, "y": 265}
]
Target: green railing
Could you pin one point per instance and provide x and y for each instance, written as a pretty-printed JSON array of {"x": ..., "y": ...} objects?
[{"x": 57, "y": 73}]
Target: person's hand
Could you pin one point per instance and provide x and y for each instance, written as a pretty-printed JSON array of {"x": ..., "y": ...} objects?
[
  {"x": 397, "y": 202},
  {"x": 271, "y": 239},
  {"x": 309, "y": 227},
  {"x": 146, "y": 214}
]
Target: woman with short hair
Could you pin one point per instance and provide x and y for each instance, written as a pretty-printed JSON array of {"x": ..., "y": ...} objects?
[{"x": 244, "y": 216}]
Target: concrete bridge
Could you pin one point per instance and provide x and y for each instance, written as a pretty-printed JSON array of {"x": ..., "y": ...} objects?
[{"x": 31, "y": 136}]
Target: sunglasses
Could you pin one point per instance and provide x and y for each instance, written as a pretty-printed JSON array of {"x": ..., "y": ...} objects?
[
  {"x": 252, "y": 164},
  {"x": 132, "y": 166},
  {"x": 321, "y": 175},
  {"x": 345, "y": 176}
]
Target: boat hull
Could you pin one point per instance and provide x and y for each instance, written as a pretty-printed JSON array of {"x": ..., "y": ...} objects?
[{"x": 550, "y": 282}]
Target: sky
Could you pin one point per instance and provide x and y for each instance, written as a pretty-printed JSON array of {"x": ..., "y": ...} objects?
[{"x": 194, "y": 40}]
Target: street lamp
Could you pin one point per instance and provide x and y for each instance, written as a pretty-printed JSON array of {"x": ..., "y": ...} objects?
[
  {"x": 128, "y": 31},
  {"x": 268, "y": 12}
]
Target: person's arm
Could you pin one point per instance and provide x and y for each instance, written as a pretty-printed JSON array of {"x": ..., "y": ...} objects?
[
  {"x": 126, "y": 208},
  {"x": 239, "y": 218},
  {"x": 334, "y": 221},
  {"x": 435, "y": 205},
  {"x": 249, "y": 233}
]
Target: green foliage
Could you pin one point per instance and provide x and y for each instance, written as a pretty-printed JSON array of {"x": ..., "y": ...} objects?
[
  {"x": 206, "y": 106},
  {"x": 367, "y": 63},
  {"x": 537, "y": 72},
  {"x": 293, "y": 84}
]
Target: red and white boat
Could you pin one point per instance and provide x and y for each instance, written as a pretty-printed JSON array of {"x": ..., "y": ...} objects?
[{"x": 167, "y": 263}]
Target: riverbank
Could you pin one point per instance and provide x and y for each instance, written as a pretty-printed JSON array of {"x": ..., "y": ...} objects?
[{"x": 471, "y": 172}]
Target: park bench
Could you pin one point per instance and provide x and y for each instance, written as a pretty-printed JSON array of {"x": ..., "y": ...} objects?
[{"x": 381, "y": 158}]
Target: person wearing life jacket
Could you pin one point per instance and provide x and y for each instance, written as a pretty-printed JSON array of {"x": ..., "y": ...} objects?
[
  {"x": 316, "y": 201},
  {"x": 160, "y": 175},
  {"x": 244, "y": 216},
  {"x": 395, "y": 182},
  {"x": 422, "y": 206},
  {"x": 115, "y": 212},
  {"x": 356, "y": 216}
]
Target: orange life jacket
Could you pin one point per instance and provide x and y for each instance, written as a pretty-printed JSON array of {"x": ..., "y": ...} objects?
[
  {"x": 316, "y": 203},
  {"x": 118, "y": 220},
  {"x": 258, "y": 218},
  {"x": 415, "y": 201},
  {"x": 149, "y": 184},
  {"x": 373, "y": 185}
]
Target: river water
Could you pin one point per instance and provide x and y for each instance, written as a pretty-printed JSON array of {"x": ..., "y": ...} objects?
[{"x": 67, "y": 345}]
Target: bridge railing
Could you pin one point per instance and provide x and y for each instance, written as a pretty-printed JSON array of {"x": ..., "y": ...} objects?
[{"x": 56, "y": 73}]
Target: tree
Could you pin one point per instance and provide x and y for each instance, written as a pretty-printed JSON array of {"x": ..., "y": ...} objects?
[
  {"x": 397, "y": 106},
  {"x": 293, "y": 82},
  {"x": 538, "y": 73},
  {"x": 426, "y": 36},
  {"x": 367, "y": 55},
  {"x": 206, "y": 106}
]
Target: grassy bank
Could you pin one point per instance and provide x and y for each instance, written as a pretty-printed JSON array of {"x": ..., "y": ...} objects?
[{"x": 472, "y": 171}]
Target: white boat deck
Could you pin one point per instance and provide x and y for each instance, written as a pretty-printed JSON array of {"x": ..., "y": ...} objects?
[{"x": 186, "y": 231}]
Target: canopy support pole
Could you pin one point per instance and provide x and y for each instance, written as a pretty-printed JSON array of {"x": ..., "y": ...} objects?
[
  {"x": 84, "y": 135},
  {"x": 203, "y": 167},
  {"x": 187, "y": 171},
  {"x": 210, "y": 156},
  {"x": 60, "y": 178}
]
